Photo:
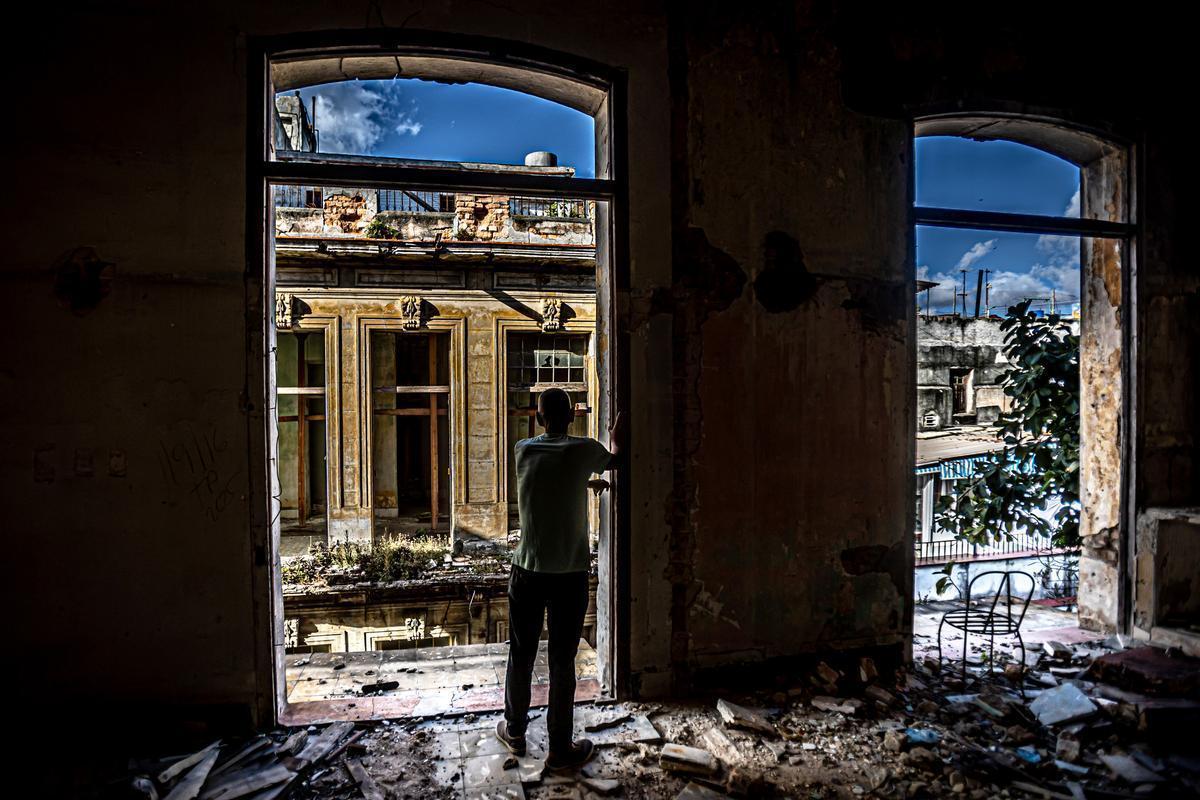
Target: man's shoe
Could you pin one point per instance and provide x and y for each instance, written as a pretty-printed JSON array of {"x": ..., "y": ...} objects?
[
  {"x": 515, "y": 744},
  {"x": 580, "y": 753}
]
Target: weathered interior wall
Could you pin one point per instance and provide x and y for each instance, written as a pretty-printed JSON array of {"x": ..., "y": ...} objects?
[
  {"x": 1101, "y": 351},
  {"x": 770, "y": 317},
  {"x": 792, "y": 325}
]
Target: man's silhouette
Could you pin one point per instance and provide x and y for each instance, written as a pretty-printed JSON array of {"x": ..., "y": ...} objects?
[{"x": 550, "y": 573}]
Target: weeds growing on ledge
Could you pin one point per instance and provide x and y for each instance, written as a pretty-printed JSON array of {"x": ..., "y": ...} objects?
[{"x": 396, "y": 558}]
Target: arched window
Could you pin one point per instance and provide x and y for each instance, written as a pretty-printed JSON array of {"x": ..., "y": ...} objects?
[
  {"x": 1100, "y": 219},
  {"x": 378, "y": 251}
]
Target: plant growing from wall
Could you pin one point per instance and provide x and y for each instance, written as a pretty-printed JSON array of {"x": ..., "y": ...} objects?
[
  {"x": 1014, "y": 490},
  {"x": 379, "y": 229}
]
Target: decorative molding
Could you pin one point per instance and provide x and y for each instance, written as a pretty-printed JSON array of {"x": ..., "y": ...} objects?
[
  {"x": 551, "y": 314},
  {"x": 412, "y": 310},
  {"x": 285, "y": 310}
]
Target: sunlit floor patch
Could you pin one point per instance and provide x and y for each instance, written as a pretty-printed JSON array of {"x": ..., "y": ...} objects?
[{"x": 430, "y": 681}]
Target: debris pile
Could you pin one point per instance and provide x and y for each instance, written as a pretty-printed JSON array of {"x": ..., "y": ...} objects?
[
  {"x": 284, "y": 764},
  {"x": 1072, "y": 722}
]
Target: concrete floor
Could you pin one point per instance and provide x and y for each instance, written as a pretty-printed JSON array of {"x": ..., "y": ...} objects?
[
  {"x": 434, "y": 680},
  {"x": 1042, "y": 624}
]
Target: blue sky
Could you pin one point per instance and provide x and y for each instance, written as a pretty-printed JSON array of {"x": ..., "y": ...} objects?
[
  {"x": 410, "y": 118},
  {"x": 996, "y": 176},
  {"x": 472, "y": 122}
]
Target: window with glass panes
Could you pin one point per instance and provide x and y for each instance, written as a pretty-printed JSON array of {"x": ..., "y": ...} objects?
[{"x": 537, "y": 360}]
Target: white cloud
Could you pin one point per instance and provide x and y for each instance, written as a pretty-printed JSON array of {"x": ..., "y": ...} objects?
[
  {"x": 1059, "y": 250},
  {"x": 1007, "y": 287},
  {"x": 408, "y": 124},
  {"x": 1056, "y": 274},
  {"x": 1072, "y": 209},
  {"x": 354, "y": 117},
  {"x": 977, "y": 251},
  {"x": 940, "y": 296}
]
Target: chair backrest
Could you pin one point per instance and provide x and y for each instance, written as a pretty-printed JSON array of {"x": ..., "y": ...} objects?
[{"x": 1008, "y": 591}]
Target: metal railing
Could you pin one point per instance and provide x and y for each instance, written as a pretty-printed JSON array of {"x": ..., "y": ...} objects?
[
  {"x": 410, "y": 201},
  {"x": 939, "y": 551},
  {"x": 299, "y": 197},
  {"x": 548, "y": 208}
]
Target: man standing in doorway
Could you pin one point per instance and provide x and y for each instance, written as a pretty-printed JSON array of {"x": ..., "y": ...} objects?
[{"x": 550, "y": 573}]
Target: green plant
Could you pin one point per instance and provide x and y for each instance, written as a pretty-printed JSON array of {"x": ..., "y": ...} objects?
[
  {"x": 947, "y": 579},
  {"x": 379, "y": 229},
  {"x": 1010, "y": 490},
  {"x": 392, "y": 559}
]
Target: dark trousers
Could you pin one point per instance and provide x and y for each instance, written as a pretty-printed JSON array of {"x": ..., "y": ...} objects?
[{"x": 563, "y": 599}]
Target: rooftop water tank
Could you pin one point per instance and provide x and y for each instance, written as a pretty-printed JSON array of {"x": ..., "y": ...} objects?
[{"x": 541, "y": 158}]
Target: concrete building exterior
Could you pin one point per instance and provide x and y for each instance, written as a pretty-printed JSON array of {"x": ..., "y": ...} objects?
[
  {"x": 416, "y": 329},
  {"x": 959, "y": 364}
]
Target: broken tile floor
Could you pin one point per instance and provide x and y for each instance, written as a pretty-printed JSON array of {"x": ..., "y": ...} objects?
[
  {"x": 436, "y": 680},
  {"x": 1092, "y": 720},
  {"x": 1042, "y": 623}
]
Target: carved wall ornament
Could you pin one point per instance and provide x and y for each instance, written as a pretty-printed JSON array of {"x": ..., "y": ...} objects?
[
  {"x": 551, "y": 314},
  {"x": 412, "y": 310},
  {"x": 285, "y": 310}
]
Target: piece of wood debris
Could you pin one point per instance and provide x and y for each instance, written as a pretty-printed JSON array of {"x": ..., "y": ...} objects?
[
  {"x": 681, "y": 758},
  {"x": 381, "y": 686},
  {"x": 242, "y": 756},
  {"x": 144, "y": 787},
  {"x": 366, "y": 784},
  {"x": 603, "y": 785},
  {"x": 694, "y": 791},
  {"x": 344, "y": 746},
  {"x": 836, "y": 704},
  {"x": 720, "y": 745},
  {"x": 1058, "y": 650},
  {"x": 828, "y": 674},
  {"x": 880, "y": 695},
  {"x": 178, "y": 768},
  {"x": 293, "y": 744},
  {"x": 736, "y": 716},
  {"x": 1039, "y": 791},
  {"x": 247, "y": 781},
  {"x": 273, "y": 792},
  {"x": 1129, "y": 770},
  {"x": 189, "y": 786},
  {"x": 605, "y": 724},
  {"x": 318, "y": 747}
]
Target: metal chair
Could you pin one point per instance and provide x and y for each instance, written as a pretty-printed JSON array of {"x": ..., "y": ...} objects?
[{"x": 991, "y": 620}]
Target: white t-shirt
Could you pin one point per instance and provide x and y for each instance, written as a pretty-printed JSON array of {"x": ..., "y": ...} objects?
[{"x": 552, "y": 477}]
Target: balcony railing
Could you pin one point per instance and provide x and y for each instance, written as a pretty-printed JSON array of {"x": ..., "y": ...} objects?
[
  {"x": 413, "y": 202},
  {"x": 575, "y": 210},
  {"x": 939, "y": 551}
]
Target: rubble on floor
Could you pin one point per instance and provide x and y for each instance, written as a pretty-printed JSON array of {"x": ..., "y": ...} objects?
[{"x": 922, "y": 732}]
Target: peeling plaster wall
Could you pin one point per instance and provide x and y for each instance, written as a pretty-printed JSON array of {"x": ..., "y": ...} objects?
[
  {"x": 792, "y": 352},
  {"x": 1100, "y": 429}
]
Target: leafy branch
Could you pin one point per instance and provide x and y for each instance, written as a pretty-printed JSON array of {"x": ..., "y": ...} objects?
[{"x": 1012, "y": 489}]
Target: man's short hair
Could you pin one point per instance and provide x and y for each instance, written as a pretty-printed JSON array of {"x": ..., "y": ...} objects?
[{"x": 555, "y": 404}]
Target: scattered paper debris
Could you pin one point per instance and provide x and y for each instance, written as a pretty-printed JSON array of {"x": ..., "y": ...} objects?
[{"x": 1062, "y": 704}]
